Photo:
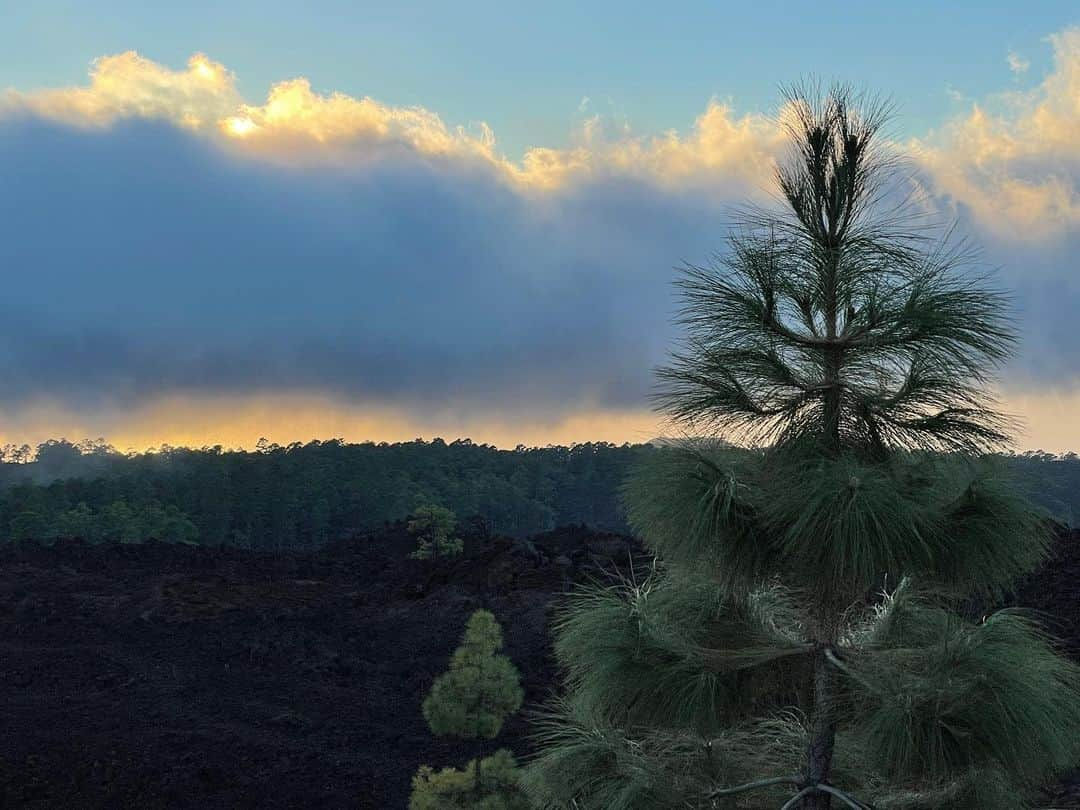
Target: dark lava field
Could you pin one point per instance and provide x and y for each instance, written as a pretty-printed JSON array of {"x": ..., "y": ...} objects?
[{"x": 156, "y": 675}]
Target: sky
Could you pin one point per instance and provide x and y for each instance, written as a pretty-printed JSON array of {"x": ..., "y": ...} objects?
[{"x": 382, "y": 221}]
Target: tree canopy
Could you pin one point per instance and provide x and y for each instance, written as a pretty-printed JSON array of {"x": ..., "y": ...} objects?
[{"x": 304, "y": 496}]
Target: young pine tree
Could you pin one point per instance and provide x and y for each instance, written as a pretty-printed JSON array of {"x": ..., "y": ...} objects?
[
  {"x": 471, "y": 700},
  {"x": 451, "y": 789},
  {"x": 806, "y": 638},
  {"x": 433, "y": 527}
]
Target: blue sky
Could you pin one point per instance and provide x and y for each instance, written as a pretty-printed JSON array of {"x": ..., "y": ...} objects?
[
  {"x": 525, "y": 67},
  {"x": 236, "y": 220}
]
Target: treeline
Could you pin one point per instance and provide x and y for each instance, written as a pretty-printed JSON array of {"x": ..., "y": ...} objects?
[
  {"x": 304, "y": 495},
  {"x": 1053, "y": 481}
]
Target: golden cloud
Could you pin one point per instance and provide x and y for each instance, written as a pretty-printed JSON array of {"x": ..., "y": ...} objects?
[
  {"x": 128, "y": 85},
  {"x": 1018, "y": 170},
  {"x": 294, "y": 116},
  {"x": 720, "y": 143},
  {"x": 297, "y": 124}
]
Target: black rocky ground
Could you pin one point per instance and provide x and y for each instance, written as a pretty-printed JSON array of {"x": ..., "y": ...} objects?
[{"x": 167, "y": 676}]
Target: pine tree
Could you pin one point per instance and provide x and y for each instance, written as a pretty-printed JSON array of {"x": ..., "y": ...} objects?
[
  {"x": 433, "y": 526},
  {"x": 471, "y": 701},
  {"x": 451, "y": 789},
  {"x": 807, "y": 633}
]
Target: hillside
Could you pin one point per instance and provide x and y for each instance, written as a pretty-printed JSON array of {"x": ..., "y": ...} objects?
[
  {"x": 161, "y": 675},
  {"x": 303, "y": 496},
  {"x": 173, "y": 676}
]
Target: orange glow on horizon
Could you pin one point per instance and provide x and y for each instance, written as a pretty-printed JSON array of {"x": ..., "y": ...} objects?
[{"x": 240, "y": 421}]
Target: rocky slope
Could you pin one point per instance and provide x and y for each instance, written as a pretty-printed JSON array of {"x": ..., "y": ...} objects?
[{"x": 170, "y": 676}]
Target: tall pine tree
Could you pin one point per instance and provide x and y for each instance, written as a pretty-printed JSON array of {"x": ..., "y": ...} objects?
[{"x": 807, "y": 636}]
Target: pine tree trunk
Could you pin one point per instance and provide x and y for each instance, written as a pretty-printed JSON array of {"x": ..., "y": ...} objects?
[
  {"x": 822, "y": 732},
  {"x": 833, "y": 362}
]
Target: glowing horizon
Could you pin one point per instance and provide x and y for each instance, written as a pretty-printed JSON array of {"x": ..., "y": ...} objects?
[{"x": 239, "y": 423}]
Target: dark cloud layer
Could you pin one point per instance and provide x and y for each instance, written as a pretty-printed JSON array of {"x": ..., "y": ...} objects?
[
  {"x": 142, "y": 260},
  {"x": 1039, "y": 271}
]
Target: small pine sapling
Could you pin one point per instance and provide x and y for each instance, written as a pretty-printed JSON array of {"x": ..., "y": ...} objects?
[
  {"x": 433, "y": 527},
  {"x": 471, "y": 701}
]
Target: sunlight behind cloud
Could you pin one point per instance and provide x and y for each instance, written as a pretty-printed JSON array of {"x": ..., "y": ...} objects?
[
  {"x": 293, "y": 112},
  {"x": 239, "y": 126}
]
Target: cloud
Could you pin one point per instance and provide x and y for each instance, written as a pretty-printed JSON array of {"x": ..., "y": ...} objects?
[
  {"x": 1017, "y": 170},
  {"x": 1010, "y": 171},
  {"x": 341, "y": 247},
  {"x": 128, "y": 85},
  {"x": 172, "y": 242},
  {"x": 954, "y": 94},
  {"x": 297, "y": 125},
  {"x": 146, "y": 261},
  {"x": 1017, "y": 64}
]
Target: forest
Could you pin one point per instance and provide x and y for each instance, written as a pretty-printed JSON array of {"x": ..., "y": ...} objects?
[{"x": 304, "y": 496}]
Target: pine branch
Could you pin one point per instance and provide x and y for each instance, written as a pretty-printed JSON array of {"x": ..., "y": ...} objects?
[
  {"x": 760, "y": 783},
  {"x": 794, "y": 800},
  {"x": 848, "y": 800}
]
